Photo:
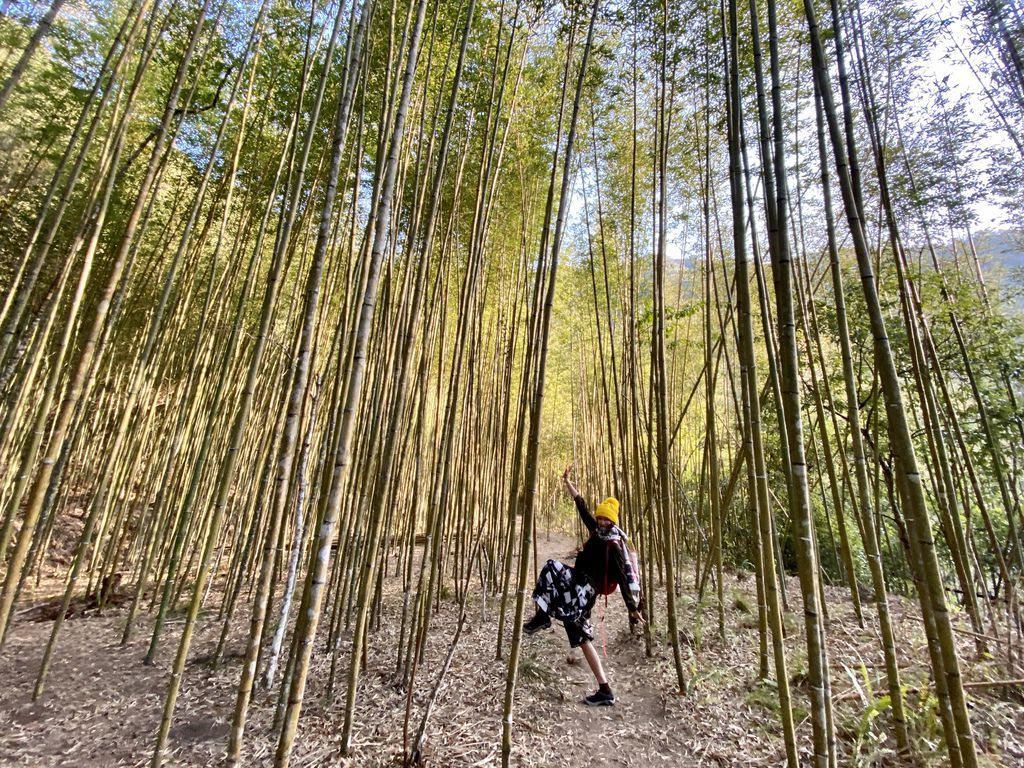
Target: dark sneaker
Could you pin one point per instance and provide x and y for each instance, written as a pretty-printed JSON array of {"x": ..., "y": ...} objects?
[
  {"x": 600, "y": 699},
  {"x": 537, "y": 623}
]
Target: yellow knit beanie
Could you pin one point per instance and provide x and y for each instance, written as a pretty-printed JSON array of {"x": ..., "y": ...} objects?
[{"x": 609, "y": 508}]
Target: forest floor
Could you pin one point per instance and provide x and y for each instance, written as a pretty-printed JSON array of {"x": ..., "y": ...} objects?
[{"x": 102, "y": 706}]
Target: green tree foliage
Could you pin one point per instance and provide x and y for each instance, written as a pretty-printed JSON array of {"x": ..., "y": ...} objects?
[{"x": 185, "y": 206}]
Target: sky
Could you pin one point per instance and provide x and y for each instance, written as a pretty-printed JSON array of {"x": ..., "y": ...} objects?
[{"x": 950, "y": 59}]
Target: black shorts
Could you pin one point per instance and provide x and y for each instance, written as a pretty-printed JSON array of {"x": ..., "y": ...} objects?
[
  {"x": 579, "y": 633},
  {"x": 567, "y": 595}
]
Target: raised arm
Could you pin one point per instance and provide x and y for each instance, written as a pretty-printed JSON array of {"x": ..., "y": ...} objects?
[{"x": 589, "y": 522}]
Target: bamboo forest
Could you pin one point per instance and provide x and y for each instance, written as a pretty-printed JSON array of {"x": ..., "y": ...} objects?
[{"x": 360, "y": 360}]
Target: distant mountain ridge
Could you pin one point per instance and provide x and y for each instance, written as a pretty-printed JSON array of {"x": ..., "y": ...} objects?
[
  {"x": 1003, "y": 249},
  {"x": 1001, "y": 253}
]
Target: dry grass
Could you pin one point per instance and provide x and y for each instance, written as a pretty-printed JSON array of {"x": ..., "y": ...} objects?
[{"x": 102, "y": 706}]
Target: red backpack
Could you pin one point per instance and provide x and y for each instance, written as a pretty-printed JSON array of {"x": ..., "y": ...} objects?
[{"x": 608, "y": 587}]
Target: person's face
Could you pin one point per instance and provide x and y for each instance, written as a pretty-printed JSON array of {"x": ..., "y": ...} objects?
[{"x": 604, "y": 523}]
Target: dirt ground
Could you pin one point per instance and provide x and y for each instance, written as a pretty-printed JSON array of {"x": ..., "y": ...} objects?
[{"x": 102, "y": 706}]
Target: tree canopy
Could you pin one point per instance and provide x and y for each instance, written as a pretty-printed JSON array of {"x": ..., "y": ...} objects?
[{"x": 305, "y": 298}]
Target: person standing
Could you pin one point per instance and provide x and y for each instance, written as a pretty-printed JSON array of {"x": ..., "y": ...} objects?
[{"x": 568, "y": 593}]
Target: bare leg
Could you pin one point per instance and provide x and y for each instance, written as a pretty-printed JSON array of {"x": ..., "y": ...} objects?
[{"x": 590, "y": 654}]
